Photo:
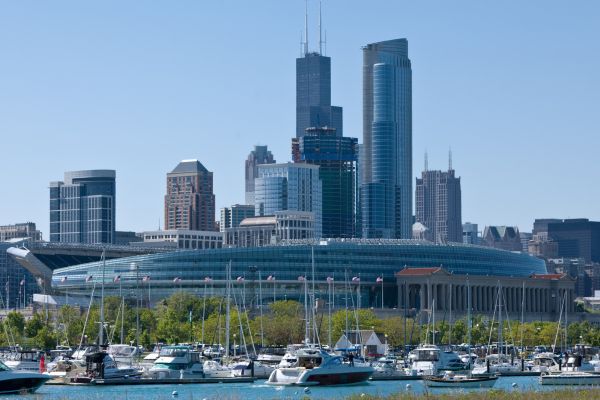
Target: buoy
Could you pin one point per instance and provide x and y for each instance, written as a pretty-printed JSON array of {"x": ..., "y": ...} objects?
[
  {"x": 515, "y": 385},
  {"x": 306, "y": 390},
  {"x": 174, "y": 394},
  {"x": 408, "y": 386}
]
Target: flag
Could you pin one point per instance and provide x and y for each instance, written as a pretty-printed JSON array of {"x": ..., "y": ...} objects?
[
  {"x": 63, "y": 279},
  {"x": 240, "y": 279},
  {"x": 356, "y": 279},
  {"x": 301, "y": 278},
  {"x": 177, "y": 279},
  {"x": 329, "y": 279},
  {"x": 22, "y": 282},
  {"x": 117, "y": 279},
  {"x": 207, "y": 279},
  {"x": 379, "y": 279},
  {"x": 146, "y": 278},
  {"x": 270, "y": 278},
  {"x": 88, "y": 278}
]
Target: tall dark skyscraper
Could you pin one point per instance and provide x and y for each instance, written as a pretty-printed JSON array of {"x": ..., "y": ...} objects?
[
  {"x": 82, "y": 207},
  {"x": 386, "y": 166},
  {"x": 438, "y": 205},
  {"x": 336, "y": 157},
  {"x": 260, "y": 155},
  {"x": 190, "y": 200},
  {"x": 313, "y": 90}
]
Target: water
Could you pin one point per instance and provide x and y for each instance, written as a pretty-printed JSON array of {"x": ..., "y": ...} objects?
[{"x": 258, "y": 391}]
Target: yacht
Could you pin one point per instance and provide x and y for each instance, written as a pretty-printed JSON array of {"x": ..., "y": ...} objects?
[
  {"x": 123, "y": 353},
  {"x": 23, "y": 360},
  {"x": 498, "y": 364},
  {"x": 257, "y": 369},
  {"x": 271, "y": 355},
  {"x": 177, "y": 362},
  {"x": 316, "y": 367},
  {"x": 100, "y": 365},
  {"x": 213, "y": 369},
  {"x": 429, "y": 359},
  {"x": 20, "y": 381}
]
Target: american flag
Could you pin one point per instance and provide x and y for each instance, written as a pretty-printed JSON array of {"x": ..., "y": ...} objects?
[
  {"x": 63, "y": 279},
  {"x": 356, "y": 279},
  {"x": 270, "y": 278},
  {"x": 329, "y": 279},
  {"x": 117, "y": 278},
  {"x": 146, "y": 278},
  {"x": 301, "y": 278},
  {"x": 379, "y": 279},
  {"x": 88, "y": 278},
  {"x": 240, "y": 278}
]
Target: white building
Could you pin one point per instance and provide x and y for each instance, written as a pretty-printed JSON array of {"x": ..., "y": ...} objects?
[{"x": 185, "y": 239}]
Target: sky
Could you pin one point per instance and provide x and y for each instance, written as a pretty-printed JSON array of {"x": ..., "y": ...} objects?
[{"x": 136, "y": 86}]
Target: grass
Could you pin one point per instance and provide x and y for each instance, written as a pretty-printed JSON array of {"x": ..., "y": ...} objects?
[{"x": 591, "y": 394}]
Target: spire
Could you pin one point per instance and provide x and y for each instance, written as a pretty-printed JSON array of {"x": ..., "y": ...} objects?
[
  {"x": 320, "y": 40},
  {"x": 449, "y": 159},
  {"x": 305, "y": 27}
]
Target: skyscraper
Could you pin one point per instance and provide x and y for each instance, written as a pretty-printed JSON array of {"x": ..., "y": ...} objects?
[
  {"x": 313, "y": 89},
  {"x": 386, "y": 167},
  {"x": 336, "y": 157},
  {"x": 82, "y": 207},
  {"x": 294, "y": 187},
  {"x": 438, "y": 205},
  {"x": 232, "y": 217},
  {"x": 260, "y": 155},
  {"x": 190, "y": 201}
]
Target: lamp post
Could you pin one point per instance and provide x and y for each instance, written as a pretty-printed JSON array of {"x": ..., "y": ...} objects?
[{"x": 135, "y": 267}]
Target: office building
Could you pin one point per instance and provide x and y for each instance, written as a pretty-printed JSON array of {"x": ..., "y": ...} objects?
[
  {"x": 336, "y": 157},
  {"x": 438, "y": 205},
  {"x": 82, "y": 207},
  {"x": 185, "y": 239},
  {"x": 260, "y": 155},
  {"x": 576, "y": 238},
  {"x": 386, "y": 167},
  {"x": 272, "y": 229},
  {"x": 293, "y": 187},
  {"x": 502, "y": 237},
  {"x": 190, "y": 201},
  {"x": 525, "y": 237},
  {"x": 313, "y": 89},
  {"x": 231, "y": 217},
  {"x": 25, "y": 230},
  {"x": 470, "y": 233}
]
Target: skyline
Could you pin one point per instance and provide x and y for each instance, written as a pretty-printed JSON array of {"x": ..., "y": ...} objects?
[{"x": 151, "y": 88}]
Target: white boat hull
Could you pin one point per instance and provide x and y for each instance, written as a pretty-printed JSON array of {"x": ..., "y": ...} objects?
[{"x": 576, "y": 379}]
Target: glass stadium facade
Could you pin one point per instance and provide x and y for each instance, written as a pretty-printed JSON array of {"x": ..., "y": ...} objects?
[{"x": 274, "y": 271}]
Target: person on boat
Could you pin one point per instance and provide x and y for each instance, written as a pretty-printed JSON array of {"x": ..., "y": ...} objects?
[{"x": 351, "y": 359}]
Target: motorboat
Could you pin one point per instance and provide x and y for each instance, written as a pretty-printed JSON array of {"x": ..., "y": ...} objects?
[
  {"x": 123, "y": 353},
  {"x": 177, "y": 362},
  {"x": 20, "y": 381},
  {"x": 271, "y": 355},
  {"x": 450, "y": 379},
  {"x": 256, "y": 369},
  {"x": 386, "y": 368},
  {"x": 316, "y": 367},
  {"x": 545, "y": 362},
  {"x": 429, "y": 359},
  {"x": 213, "y": 369},
  {"x": 575, "y": 378},
  {"x": 100, "y": 365},
  {"x": 497, "y": 364},
  {"x": 23, "y": 360}
]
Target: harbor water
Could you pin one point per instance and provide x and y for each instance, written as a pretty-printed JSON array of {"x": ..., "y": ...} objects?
[{"x": 261, "y": 391}]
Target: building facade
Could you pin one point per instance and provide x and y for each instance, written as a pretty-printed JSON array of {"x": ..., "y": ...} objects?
[
  {"x": 82, "y": 207},
  {"x": 502, "y": 237},
  {"x": 18, "y": 284},
  {"x": 293, "y": 187},
  {"x": 386, "y": 167},
  {"x": 438, "y": 205},
  {"x": 336, "y": 157},
  {"x": 470, "y": 233},
  {"x": 190, "y": 200},
  {"x": 260, "y": 155},
  {"x": 185, "y": 239},
  {"x": 270, "y": 230},
  {"x": 25, "y": 230},
  {"x": 576, "y": 238},
  {"x": 233, "y": 216}
]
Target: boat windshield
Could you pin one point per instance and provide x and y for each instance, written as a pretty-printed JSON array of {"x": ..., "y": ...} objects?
[
  {"x": 310, "y": 362},
  {"x": 3, "y": 367},
  {"x": 427, "y": 355},
  {"x": 172, "y": 352}
]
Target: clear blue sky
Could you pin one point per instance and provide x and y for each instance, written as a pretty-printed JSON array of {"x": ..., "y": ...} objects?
[{"x": 513, "y": 87}]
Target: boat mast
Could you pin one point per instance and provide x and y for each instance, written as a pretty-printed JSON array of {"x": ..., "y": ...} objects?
[
  {"x": 101, "y": 334},
  {"x": 227, "y": 307},
  {"x": 469, "y": 324},
  {"x": 500, "y": 339}
]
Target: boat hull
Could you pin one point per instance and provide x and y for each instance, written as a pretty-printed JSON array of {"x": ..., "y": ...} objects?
[
  {"x": 22, "y": 384},
  {"x": 571, "y": 380},
  {"x": 474, "y": 383},
  {"x": 319, "y": 377}
]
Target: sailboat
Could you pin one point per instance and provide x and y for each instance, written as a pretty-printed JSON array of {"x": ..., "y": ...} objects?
[{"x": 450, "y": 379}]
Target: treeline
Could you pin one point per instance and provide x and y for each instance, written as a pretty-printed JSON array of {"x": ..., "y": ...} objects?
[{"x": 179, "y": 319}]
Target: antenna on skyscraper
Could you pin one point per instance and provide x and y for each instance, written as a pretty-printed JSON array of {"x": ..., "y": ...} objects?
[
  {"x": 320, "y": 41},
  {"x": 450, "y": 159},
  {"x": 305, "y": 27}
]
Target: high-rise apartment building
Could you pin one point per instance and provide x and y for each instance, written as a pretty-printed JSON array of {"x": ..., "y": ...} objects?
[
  {"x": 232, "y": 217},
  {"x": 260, "y": 155},
  {"x": 336, "y": 157},
  {"x": 190, "y": 201},
  {"x": 294, "y": 187},
  {"x": 438, "y": 205},
  {"x": 25, "y": 230},
  {"x": 82, "y": 207},
  {"x": 386, "y": 167}
]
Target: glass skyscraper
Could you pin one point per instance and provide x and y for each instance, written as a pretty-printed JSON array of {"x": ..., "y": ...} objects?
[
  {"x": 386, "y": 167},
  {"x": 294, "y": 187},
  {"x": 336, "y": 157},
  {"x": 82, "y": 207},
  {"x": 313, "y": 95},
  {"x": 260, "y": 155}
]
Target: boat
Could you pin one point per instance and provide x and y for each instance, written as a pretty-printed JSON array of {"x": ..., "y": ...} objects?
[
  {"x": 23, "y": 360},
  {"x": 256, "y": 369},
  {"x": 123, "y": 353},
  {"x": 100, "y": 365},
  {"x": 497, "y": 364},
  {"x": 429, "y": 359},
  {"x": 317, "y": 367},
  {"x": 450, "y": 379},
  {"x": 570, "y": 378},
  {"x": 271, "y": 355},
  {"x": 388, "y": 368},
  {"x": 20, "y": 381},
  {"x": 213, "y": 369},
  {"x": 177, "y": 362}
]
